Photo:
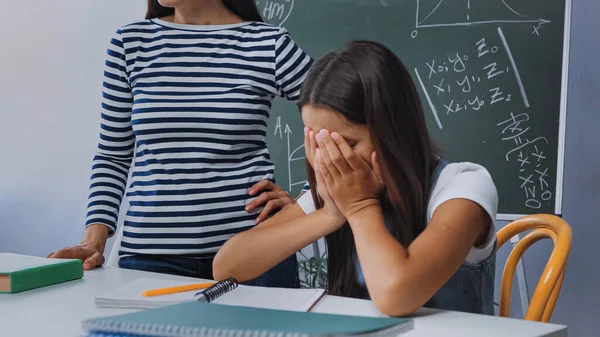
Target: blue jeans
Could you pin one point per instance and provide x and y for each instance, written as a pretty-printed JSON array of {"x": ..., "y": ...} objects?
[{"x": 284, "y": 275}]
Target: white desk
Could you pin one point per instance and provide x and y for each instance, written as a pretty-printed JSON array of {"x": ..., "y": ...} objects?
[{"x": 59, "y": 310}]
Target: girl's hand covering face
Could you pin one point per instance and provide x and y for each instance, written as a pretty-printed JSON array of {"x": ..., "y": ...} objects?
[
  {"x": 310, "y": 145},
  {"x": 353, "y": 184},
  {"x": 312, "y": 154}
]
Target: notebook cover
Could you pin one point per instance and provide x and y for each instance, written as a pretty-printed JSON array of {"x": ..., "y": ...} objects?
[
  {"x": 206, "y": 319},
  {"x": 130, "y": 296},
  {"x": 31, "y": 272}
]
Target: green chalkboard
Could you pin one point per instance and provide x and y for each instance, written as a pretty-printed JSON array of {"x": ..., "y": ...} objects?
[{"x": 489, "y": 74}]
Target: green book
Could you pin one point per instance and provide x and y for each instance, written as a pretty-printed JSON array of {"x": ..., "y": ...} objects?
[
  {"x": 22, "y": 272},
  {"x": 198, "y": 319}
]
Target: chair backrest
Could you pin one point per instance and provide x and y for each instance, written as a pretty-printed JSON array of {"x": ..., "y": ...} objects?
[{"x": 542, "y": 226}]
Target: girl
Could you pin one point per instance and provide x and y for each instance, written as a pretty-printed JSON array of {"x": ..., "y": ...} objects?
[
  {"x": 402, "y": 226},
  {"x": 186, "y": 96}
]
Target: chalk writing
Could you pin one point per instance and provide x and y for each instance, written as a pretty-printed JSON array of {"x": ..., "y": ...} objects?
[
  {"x": 453, "y": 79},
  {"x": 530, "y": 159},
  {"x": 426, "y": 15},
  {"x": 482, "y": 80},
  {"x": 278, "y": 128},
  {"x": 275, "y": 12}
]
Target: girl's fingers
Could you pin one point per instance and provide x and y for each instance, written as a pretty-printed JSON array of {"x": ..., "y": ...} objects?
[
  {"x": 325, "y": 156},
  {"x": 337, "y": 158},
  {"x": 376, "y": 167},
  {"x": 351, "y": 158},
  {"x": 326, "y": 176},
  {"x": 310, "y": 153},
  {"x": 312, "y": 143}
]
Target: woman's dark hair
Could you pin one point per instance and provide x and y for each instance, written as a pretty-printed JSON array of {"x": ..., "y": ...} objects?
[
  {"x": 367, "y": 84},
  {"x": 245, "y": 9}
]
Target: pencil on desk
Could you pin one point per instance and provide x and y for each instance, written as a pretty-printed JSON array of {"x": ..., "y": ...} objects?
[{"x": 177, "y": 289}]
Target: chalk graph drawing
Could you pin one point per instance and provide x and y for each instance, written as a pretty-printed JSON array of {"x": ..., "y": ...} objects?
[
  {"x": 294, "y": 155},
  {"x": 455, "y": 13},
  {"x": 275, "y": 12}
]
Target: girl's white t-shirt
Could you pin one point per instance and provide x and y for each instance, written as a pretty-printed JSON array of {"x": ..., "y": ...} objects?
[{"x": 456, "y": 181}]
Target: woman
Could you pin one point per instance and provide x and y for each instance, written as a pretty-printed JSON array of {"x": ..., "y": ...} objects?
[
  {"x": 403, "y": 227},
  {"x": 186, "y": 96}
]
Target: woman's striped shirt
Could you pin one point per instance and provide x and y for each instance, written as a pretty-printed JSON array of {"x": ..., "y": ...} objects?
[{"x": 184, "y": 113}]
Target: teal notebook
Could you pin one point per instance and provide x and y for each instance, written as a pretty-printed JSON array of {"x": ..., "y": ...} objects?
[{"x": 197, "y": 319}]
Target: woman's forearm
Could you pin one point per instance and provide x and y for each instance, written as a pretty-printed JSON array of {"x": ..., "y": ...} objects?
[
  {"x": 254, "y": 252},
  {"x": 96, "y": 235}
]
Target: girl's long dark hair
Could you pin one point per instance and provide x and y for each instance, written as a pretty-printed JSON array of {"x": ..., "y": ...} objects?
[
  {"x": 245, "y": 9},
  {"x": 369, "y": 85}
]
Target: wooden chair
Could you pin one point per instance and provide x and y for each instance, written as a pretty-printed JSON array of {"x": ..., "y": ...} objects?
[{"x": 544, "y": 298}]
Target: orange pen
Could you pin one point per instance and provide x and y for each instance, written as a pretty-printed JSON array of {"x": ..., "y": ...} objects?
[{"x": 177, "y": 289}]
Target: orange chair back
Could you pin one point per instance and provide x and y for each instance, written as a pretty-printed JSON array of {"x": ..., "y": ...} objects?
[{"x": 546, "y": 293}]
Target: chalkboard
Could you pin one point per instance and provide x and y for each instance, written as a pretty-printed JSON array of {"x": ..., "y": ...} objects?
[{"x": 490, "y": 74}]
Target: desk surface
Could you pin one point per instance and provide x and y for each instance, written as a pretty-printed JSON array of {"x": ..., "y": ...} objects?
[{"x": 59, "y": 310}]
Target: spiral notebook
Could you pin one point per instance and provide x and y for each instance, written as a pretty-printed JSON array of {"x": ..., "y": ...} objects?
[
  {"x": 130, "y": 296},
  {"x": 197, "y": 319}
]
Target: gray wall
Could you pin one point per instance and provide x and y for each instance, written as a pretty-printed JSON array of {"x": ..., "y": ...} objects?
[
  {"x": 579, "y": 305},
  {"x": 50, "y": 84},
  {"x": 579, "y": 302}
]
